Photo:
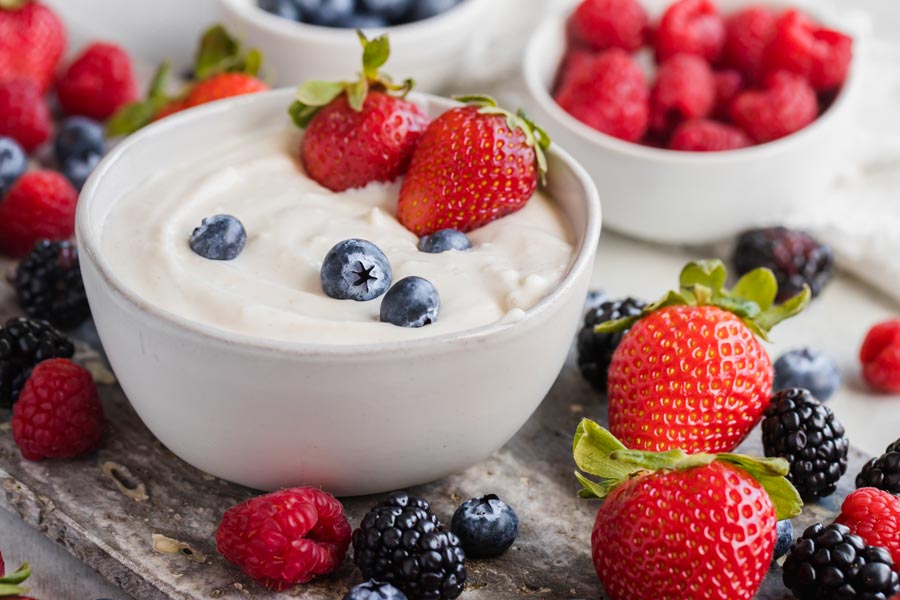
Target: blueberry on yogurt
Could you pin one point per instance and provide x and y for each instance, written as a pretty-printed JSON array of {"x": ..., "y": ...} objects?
[
  {"x": 356, "y": 269},
  {"x": 412, "y": 302},
  {"x": 444, "y": 240},
  {"x": 220, "y": 237}
]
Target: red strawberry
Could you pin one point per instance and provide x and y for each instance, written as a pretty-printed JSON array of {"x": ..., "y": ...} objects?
[
  {"x": 40, "y": 204},
  {"x": 874, "y": 515},
  {"x": 749, "y": 32},
  {"x": 703, "y": 135},
  {"x": 175, "y": 106},
  {"x": 690, "y": 372},
  {"x": 602, "y": 24},
  {"x": 224, "y": 85},
  {"x": 473, "y": 165},
  {"x": 671, "y": 525},
  {"x": 880, "y": 357},
  {"x": 690, "y": 27},
  {"x": 26, "y": 116},
  {"x": 786, "y": 105},
  {"x": 685, "y": 88},
  {"x": 32, "y": 40},
  {"x": 820, "y": 55},
  {"x": 98, "y": 82}
]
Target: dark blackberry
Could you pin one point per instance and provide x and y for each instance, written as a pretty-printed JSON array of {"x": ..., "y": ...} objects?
[
  {"x": 23, "y": 344},
  {"x": 882, "y": 472},
  {"x": 402, "y": 542},
  {"x": 829, "y": 563},
  {"x": 802, "y": 430},
  {"x": 595, "y": 350},
  {"x": 49, "y": 286},
  {"x": 795, "y": 257}
]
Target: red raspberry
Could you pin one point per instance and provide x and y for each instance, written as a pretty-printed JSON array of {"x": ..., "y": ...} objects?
[
  {"x": 729, "y": 83},
  {"x": 690, "y": 27},
  {"x": 874, "y": 515},
  {"x": 602, "y": 24},
  {"x": 286, "y": 537},
  {"x": 40, "y": 204},
  {"x": 703, "y": 135},
  {"x": 748, "y": 33},
  {"x": 788, "y": 104},
  {"x": 820, "y": 55},
  {"x": 26, "y": 117},
  {"x": 685, "y": 88},
  {"x": 32, "y": 40},
  {"x": 98, "y": 83},
  {"x": 607, "y": 92},
  {"x": 880, "y": 357},
  {"x": 58, "y": 414}
]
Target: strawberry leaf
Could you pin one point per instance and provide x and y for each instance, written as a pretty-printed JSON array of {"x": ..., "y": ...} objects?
[
  {"x": 218, "y": 50},
  {"x": 784, "y": 496},
  {"x": 319, "y": 93},
  {"x": 593, "y": 450},
  {"x": 592, "y": 489},
  {"x": 7, "y": 589},
  {"x": 21, "y": 574},
  {"x": 758, "y": 286},
  {"x": 136, "y": 115},
  {"x": 650, "y": 461},
  {"x": 789, "y": 308},
  {"x": 375, "y": 54},
  {"x": 356, "y": 94},
  {"x": 710, "y": 274}
]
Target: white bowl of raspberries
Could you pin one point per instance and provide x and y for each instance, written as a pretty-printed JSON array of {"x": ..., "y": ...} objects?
[{"x": 697, "y": 119}]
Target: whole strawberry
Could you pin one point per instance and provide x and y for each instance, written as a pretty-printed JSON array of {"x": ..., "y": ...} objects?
[
  {"x": 40, "y": 204},
  {"x": 358, "y": 132},
  {"x": 874, "y": 515},
  {"x": 98, "y": 82},
  {"x": 678, "y": 526},
  {"x": 691, "y": 373},
  {"x": 25, "y": 114},
  {"x": 223, "y": 85},
  {"x": 32, "y": 41},
  {"x": 58, "y": 414},
  {"x": 474, "y": 164}
]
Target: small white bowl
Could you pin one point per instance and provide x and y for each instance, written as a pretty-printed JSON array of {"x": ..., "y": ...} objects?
[
  {"x": 353, "y": 420},
  {"x": 430, "y": 51},
  {"x": 692, "y": 197}
]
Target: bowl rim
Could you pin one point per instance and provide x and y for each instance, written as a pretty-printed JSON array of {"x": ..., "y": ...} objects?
[
  {"x": 89, "y": 237},
  {"x": 554, "y": 25}
]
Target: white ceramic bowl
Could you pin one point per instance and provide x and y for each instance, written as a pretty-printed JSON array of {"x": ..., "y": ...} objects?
[
  {"x": 429, "y": 51},
  {"x": 691, "y": 197},
  {"x": 353, "y": 420}
]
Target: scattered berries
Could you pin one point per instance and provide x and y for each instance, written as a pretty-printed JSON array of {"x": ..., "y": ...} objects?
[
  {"x": 808, "y": 369},
  {"x": 24, "y": 343},
  {"x": 690, "y": 27},
  {"x": 41, "y": 204},
  {"x": 703, "y": 135},
  {"x": 285, "y": 538},
  {"x": 486, "y": 526},
  {"x": 784, "y": 537},
  {"x": 595, "y": 350},
  {"x": 786, "y": 104},
  {"x": 98, "y": 83},
  {"x": 26, "y": 116},
  {"x": 374, "y": 590},
  {"x": 874, "y": 515},
  {"x": 748, "y": 33},
  {"x": 58, "y": 414},
  {"x": 796, "y": 258},
  {"x": 685, "y": 88},
  {"x": 411, "y": 302},
  {"x": 32, "y": 40},
  {"x": 880, "y": 357},
  {"x": 219, "y": 237},
  {"x": 882, "y": 472},
  {"x": 13, "y": 163},
  {"x": 799, "y": 45},
  {"x": 224, "y": 85},
  {"x": 830, "y": 562},
  {"x": 802, "y": 430},
  {"x": 356, "y": 270},
  {"x": 402, "y": 542},
  {"x": 444, "y": 240},
  {"x": 49, "y": 287},
  {"x": 604, "y": 24}
]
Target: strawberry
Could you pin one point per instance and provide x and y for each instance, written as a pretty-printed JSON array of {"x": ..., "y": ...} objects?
[
  {"x": 10, "y": 585},
  {"x": 358, "y": 132},
  {"x": 474, "y": 164},
  {"x": 223, "y": 85},
  {"x": 874, "y": 515},
  {"x": 98, "y": 82},
  {"x": 32, "y": 41},
  {"x": 690, "y": 373},
  {"x": 674, "y": 525}
]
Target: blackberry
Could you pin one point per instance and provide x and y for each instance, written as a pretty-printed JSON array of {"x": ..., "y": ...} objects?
[
  {"x": 802, "y": 430},
  {"x": 829, "y": 563},
  {"x": 595, "y": 350},
  {"x": 795, "y": 257},
  {"x": 882, "y": 472},
  {"x": 49, "y": 286},
  {"x": 402, "y": 542},
  {"x": 23, "y": 344}
]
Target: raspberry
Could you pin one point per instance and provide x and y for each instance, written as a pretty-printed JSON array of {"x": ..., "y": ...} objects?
[
  {"x": 787, "y": 104},
  {"x": 26, "y": 117},
  {"x": 748, "y": 33},
  {"x": 98, "y": 83},
  {"x": 286, "y": 537},
  {"x": 41, "y": 204},
  {"x": 58, "y": 414},
  {"x": 685, "y": 88},
  {"x": 690, "y": 27},
  {"x": 607, "y": 92},
  {"x": 602, "y": 24},
  {"x": 820, "y": 55},
  {"x": 874, "y": 515},
  {"x": 703, "y": 135},
  {"x": 880, "y": 357},
  {"x": 729, "y": 83}
]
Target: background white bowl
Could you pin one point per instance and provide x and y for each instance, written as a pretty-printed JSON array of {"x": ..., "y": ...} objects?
[
  {"x": 431, "y": 51},
  {"x": 687, "y": 197},
  {"x": 272, "y": 414}
]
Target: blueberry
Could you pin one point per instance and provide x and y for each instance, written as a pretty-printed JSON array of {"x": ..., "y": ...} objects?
[
  {"x": 285, "y": 9},
  {"x": 412, "y": 302},
  {"x": 785, "y": 538},
  {"x": 78, "y": 137},
  {"x": 425, "y": 9},
  {"x": 220, "y": 237},
  {"x": 807, "y": 369},
  {"x": 13, "y": 162},
  {"x": 325, "y": 12},
  {"x": 356, "y": 270},
  {"x": 374, "y": 590},
  {"x": 389, "y": 9},
  {"x": 443, "y": 240},
  {"x": 77, "y": 170},
  {"x": 362, "y": 21},
  {"x": 486, "y": 526}
]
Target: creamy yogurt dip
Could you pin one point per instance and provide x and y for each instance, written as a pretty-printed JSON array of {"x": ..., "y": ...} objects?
[{"x": 273, "y": 289}]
